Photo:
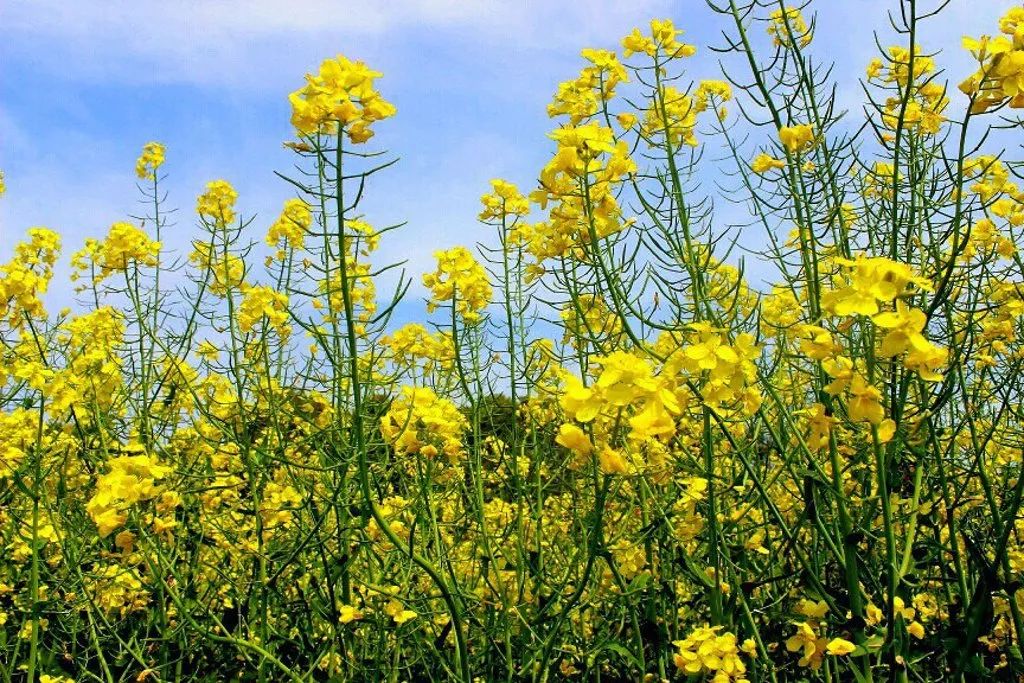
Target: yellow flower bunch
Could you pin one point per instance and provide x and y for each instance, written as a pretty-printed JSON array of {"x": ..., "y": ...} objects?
[
  {"x": 588, "y": 319},
  {"x": 922, "y": 109},
  {"x": 419, "y": 421},
  {"x": 727, "y": 369},
  {"x": 226, "y": 270},
  {"x": 663, "y": 41},
  {"x": 1000, "y": 74},
  {"x": 278, "y": 501},
  {"x": 904, "y": 335},
  {"x": 151, "y": 159},
  {"x": 16, "y": 434},
  {"x": 413, "y": 345},
  {"x": 117, "y": 589},
  {"x": 672, "y": 114},
  {"x": 788, "y": 25},
  {"x": 25, "y": 278},
  {"x": 291, "y": 226},
  {"x": 217, "y": 204},
  {"x": 589, "y": 154},
  {"x": 130, "y": 479},
  {"x": 264, "y": 303},
  {"x": 797, "y": 139},
  {"x": 125, "y": 244},
  {"x": 712, "y": 92},
  {"x": 709, "y": 651},
  {"x": 813, "y": 648},
  {"x": 461, "y": 279},
  {"x": 583, "y": 97},
  {"x": 340, "y": 96},
  {"x": 504, "y": 201},
  {"x": 625, "y": 380},
  {"x": 93, "y": 374},
  {"x": 869, "y": 282}
]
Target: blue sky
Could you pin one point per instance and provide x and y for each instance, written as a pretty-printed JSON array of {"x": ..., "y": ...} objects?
[{"x": 84, "y": 84}]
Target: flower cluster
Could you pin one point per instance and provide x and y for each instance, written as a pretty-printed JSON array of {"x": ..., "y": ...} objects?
[
  {"x": 813, "y": 648},
  {"x": 787, "y": 26},
  {"x": 504, "y": 201},
  {"x": 340, "y": 96},
  {"x": 291, "y": 226},
  {"x": 1000, "y": 74},
  {"x": 264, "y": 303},
  {"x": 663, "y": 41},
  {"x": 26, "y": 277},
  {"x": 217, "y": 204},
  {"x": 908, "y": 70},
  {"x": 412, "y": 346},
  {"x": 583, "y": 97},
  {"x": 125, "y": 245},
  {"x": 129, "y": 480},
  {"x": 798, "y": 138},
  {"x": 461, "y": 279},
  {"x": 226, "y": 270},
  {"x": 151, "y": 159},
  {"x": 421, "y": 422},
  {"x": 709, "y": 651}
]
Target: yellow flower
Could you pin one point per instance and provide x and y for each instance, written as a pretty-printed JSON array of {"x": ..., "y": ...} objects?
[
  {"x": 812, "y": 609},
  {"x": 612, "y": 462},
  {"x": 904, "y": 328},
  {"x": 125, "y": 244},
  {"x": 839, "y": 647},
  {"x": 340, "y": 96},
  {"x": 636, "y": 42},
  {"x": 664, "y": 36},
  {"x": 151, "y": 159},
  {"x": 786, "y": 25},
  {"x": 263, "y": 303},
  {"x": 348, "y": 614},
  {"x": 397, "y": 611},
  {"x": 418, "y": 418},
  {"x": 870, "y": 280},
  {"x": 763, "y": 163},
  {"x": 672, "y": 114},
  {"x": 865, "y": 402},
  {"x": 131, "y": 479},
  {"x": 572, "y": 437},
  {"x": 1000, "y": 74},
  {"x": 505, "y": 200},
  {"x": 707, "y": 650},
  {"x": 292, "y": 225},
  {"x": 797, "y": 138},
  {"x": 459, "y": 278},
  {"x": 809, "y": 644},
  {"x": 218, "y": 202}
]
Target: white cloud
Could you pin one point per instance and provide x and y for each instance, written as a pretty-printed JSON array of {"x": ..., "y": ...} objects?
[{"x": 246, "y": 43}]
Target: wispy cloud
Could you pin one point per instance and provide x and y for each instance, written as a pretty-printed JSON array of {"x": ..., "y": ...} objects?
[{"x": 245, "y": 44}]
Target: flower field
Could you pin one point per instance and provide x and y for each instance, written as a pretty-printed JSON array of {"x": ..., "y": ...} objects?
[{"x": 623, "y": 442}]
